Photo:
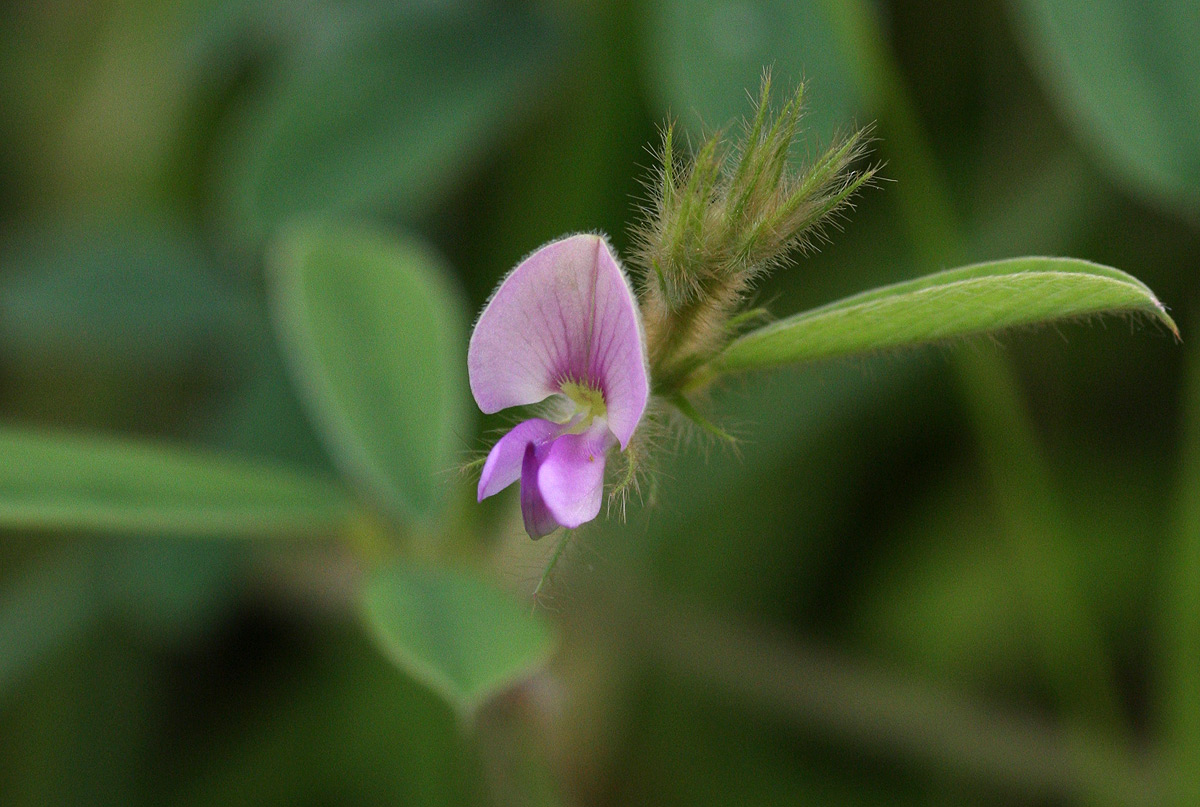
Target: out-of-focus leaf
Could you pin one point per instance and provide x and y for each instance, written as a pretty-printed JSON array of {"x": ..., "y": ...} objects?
[
  {"x": 706, "y": 54},
  {"x": 61, "y": 481},
  {"x": 83, "y": 731},
  {"x": 969, "y": 300},
  {"x": 50, "y": 603},
  {"x": 126, "y": 298},
  {"x": 941, "y": 595},
  {"x": 172, "y": 591},
  {"x": 1128, "y": 77},
  {"x": 343, "y": 728},
  {"x": 572, "y": 162},
  {"x": 793, "y": 481},
  {"x": 381, "y": 110},
  {"x": 458, "y": 635},
  {"x": 261, "y": 414},
  {"x": 100, "y": 101},
  {"x": 686, "y": 745},
  {"x": 377, "y": 338}
]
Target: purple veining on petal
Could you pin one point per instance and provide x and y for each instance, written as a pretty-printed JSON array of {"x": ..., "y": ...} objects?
[
  {"x": 566, "y": 313},
  {"x": 616, "y": 351},
  {"x": 503, "y": 464}
]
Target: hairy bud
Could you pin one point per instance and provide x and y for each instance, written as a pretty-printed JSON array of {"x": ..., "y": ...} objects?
[{"x": 716, "y": 223}]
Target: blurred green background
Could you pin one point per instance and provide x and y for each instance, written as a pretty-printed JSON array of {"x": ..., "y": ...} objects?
[{"x": 960, "y": 575}]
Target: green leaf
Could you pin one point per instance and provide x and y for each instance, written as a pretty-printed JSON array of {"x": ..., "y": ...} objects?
[
  {"x": 69, "y": 482},
  {"x": 943, "y": 598},
  {"x": 47, "y": 605},
  {"x": 1127, "y": 75},
  {"x": 381, "y": 110},
  {"x": 341, "y": 723},
  {"x": 459, "y": 635},
  {"x": 124, "y": 298},
  {"x": 705, "y": 54},
  {"x": 63, "y": 147},
  {"x": 377, "y": 338},
  {"x": 980, "y": 298},
  {"x": 170, "y": 592}
]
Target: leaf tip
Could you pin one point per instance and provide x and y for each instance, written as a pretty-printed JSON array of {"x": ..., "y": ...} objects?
[{"x": 1167, "y": 320}]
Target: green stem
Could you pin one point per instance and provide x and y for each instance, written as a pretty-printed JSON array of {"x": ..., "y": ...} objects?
[
  {"x": 872, "y": 708},
  {"x": 554, "y": 558},
  {"x": 1179, "y": 626},
  {"x": 689, "y": 411},
  {"x": 1035, "y": 526}
]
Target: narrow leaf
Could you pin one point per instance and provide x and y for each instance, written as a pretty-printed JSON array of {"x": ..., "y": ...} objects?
[
  {"x": 377, "y": 338},
  {"x": 460, "y": 636},
  {"x": 67, "y": 482},
  {"x": 974, "y": 299}
]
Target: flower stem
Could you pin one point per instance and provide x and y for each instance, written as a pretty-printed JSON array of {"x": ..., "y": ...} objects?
[
  {"x": 689, "y": 411},
  {"x": 553, "y": 562}
]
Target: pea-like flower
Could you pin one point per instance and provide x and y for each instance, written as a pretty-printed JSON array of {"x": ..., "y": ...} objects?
[{"x": 564, "y": 323}]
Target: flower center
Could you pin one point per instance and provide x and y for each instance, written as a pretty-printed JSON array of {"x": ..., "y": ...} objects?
[{"x": 589, "y": 403}]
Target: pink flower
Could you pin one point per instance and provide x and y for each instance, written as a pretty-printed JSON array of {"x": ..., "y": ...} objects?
[{"x": 563, "y": 323}]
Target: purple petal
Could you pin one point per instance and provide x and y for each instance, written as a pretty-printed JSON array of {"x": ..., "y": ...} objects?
[
  {"x": 539, "y": 521},
  {"x": 566, "y": 313},
  {"x": 503, "y": 464},
  {"x": 570, "y": 480}
]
